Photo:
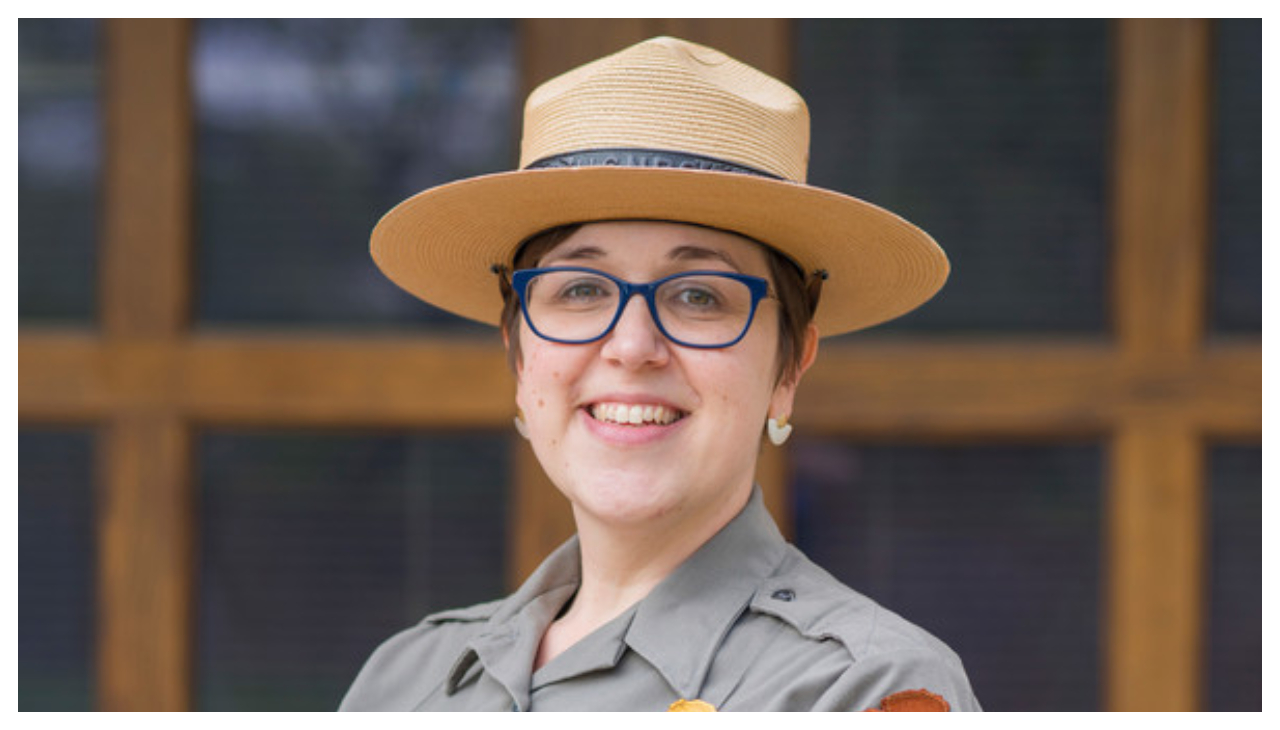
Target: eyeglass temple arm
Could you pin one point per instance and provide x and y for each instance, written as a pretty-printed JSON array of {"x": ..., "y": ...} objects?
[
  {"x": 813, "y": 288},
  {"x": 504, "y": 280}
]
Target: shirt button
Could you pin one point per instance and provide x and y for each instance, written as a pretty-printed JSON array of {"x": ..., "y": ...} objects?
[{"x": 784, "y": 594}]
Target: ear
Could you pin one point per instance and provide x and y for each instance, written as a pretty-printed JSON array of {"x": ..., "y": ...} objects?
[
  {"x": 513, "y": 356},
  {"x": 784, "y": 394}
]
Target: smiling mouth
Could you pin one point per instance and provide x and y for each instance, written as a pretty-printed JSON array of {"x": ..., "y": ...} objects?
[{"x": 635, "y": 415}]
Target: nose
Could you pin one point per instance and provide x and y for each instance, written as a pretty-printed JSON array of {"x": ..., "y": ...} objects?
[{"x": 635, "y": 340}]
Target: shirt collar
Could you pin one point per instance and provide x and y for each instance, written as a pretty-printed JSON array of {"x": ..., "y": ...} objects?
[
  {"x": 678, "y": 627},
  {"x": 507, "y": 644}
]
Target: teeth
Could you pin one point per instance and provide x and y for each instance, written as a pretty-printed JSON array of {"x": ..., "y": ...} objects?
[{"x": 635, "y": 415}]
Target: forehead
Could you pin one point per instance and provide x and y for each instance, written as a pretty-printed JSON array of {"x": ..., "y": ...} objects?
[{"x": 657, "y": 243}]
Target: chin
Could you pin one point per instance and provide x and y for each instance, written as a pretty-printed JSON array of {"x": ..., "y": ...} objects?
[{"x": 624, "y": 497}]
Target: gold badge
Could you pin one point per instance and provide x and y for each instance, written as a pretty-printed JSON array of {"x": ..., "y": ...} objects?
[{"x": 691, "y": 706}]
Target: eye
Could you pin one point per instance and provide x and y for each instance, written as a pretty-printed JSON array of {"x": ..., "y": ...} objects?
[
  {"x": 697, "y": 298},
  {"x": 582, "y": 290},
  {"x": 695, "y": 295},
  {"x": 574, "y": 290}
]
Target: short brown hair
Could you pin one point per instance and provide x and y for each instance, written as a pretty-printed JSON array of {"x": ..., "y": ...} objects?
[{"x": 797, "y": 299}]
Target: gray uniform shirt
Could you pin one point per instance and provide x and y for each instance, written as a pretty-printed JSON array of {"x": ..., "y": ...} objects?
[{"x": 747, "y": 623}]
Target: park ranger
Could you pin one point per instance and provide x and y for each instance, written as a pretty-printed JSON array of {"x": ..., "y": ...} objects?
[{"x": 656, "y": 266}]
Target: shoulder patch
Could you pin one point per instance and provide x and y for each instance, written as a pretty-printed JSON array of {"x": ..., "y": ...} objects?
[{"x": 912, "y": 700}]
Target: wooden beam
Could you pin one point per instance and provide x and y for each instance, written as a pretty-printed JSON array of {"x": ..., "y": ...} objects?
[
  {"x": 1155, "y": 493},
  {"x": 978, "y": 389},
  {"x": 145, "y": 565},
  {"x": 62, "y": 377},
  {"x": 875, "y": 390},
  {"x": 1162, "y": 176},
  {"x": 409, "y": 382},
  {"x": 266, "y": 379},
  {"x": 1152, "y": 642},
  {"x": 147, "y": 180},
  {"x": 145, "y": 524}
]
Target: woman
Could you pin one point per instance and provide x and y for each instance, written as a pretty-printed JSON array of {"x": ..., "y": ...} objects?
[{"x": 656, "y": 267}]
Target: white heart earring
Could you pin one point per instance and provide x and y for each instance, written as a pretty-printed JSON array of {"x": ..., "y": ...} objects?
[
  {"x": 521, "y": 427},
  {"x": 779, "y": 430}
]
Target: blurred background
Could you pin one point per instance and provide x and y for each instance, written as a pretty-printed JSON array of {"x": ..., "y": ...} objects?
[{"x": 245, "y": 458}]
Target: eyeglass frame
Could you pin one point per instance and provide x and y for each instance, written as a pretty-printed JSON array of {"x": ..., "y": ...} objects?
[{"x": 758, "y": 286}]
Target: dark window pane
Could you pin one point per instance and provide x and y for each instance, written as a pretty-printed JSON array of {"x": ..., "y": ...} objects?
[
  {"x": 991, "y": 136},
  {"x": 993, "y": 549},
  {"x": 315, "y": 547},
  {"x": 1235, "y": 580},
  {"x": 1237, "y": 211},
  {"x": 310, "y": 130},
  {"x": 55, "y": 570},
  {"x": 59, "y": 159}
]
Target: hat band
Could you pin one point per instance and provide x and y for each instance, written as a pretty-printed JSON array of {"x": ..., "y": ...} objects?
[{"x": 638, "y": 157}]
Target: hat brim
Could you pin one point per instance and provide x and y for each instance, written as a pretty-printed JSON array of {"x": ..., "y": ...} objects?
[{"x": 441, "y": 244}]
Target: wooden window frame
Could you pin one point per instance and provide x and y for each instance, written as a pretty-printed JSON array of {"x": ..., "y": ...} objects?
[{"x": 1157, "y": 391}]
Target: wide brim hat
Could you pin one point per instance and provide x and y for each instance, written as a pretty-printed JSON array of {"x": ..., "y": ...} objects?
[{"x": 672, "y": 131}]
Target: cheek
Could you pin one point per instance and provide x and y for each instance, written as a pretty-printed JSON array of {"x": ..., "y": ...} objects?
[
  {"x": 540, "y": 377},
  {"x": 743, "y": 385}
]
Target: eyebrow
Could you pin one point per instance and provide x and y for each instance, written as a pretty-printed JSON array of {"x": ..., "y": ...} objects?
[
  {"x": 572, "y": 252},
  {"x": 700, "y": 253},
  {"x": 679, "y": 253}
]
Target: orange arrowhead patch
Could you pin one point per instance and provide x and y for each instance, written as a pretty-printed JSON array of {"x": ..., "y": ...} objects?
[{"x": 912, "y": 700}]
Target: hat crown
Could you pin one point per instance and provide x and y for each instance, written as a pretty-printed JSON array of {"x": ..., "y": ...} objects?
[{"x": 671, "y": 95}]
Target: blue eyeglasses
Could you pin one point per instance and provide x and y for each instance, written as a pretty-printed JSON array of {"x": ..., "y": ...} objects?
[{"x": 701, "y": 309}]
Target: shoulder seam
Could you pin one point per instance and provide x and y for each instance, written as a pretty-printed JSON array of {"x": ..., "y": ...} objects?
[
  {"x": 470, "y": 614},
  {"x": 834, "y": 620}
]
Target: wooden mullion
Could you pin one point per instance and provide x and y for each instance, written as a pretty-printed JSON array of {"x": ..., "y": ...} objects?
[
  {"x": 145, "y": 520},
  {"x": 1156, "y": 546},
  {"x": 1152, "y": 645},
  {"x": 145, "y": 537},
  {"x": 147, "y": 179},
  {"x": 1161, "y": 194}
]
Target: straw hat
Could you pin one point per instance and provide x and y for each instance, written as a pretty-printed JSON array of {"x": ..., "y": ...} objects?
[{"x": 663, "y": 130}]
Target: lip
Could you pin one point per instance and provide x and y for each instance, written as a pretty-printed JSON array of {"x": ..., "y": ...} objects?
[{"x": 630, "y": 434}]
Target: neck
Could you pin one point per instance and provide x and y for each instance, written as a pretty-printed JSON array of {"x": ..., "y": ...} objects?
[{"x": 622, "y": 565}]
